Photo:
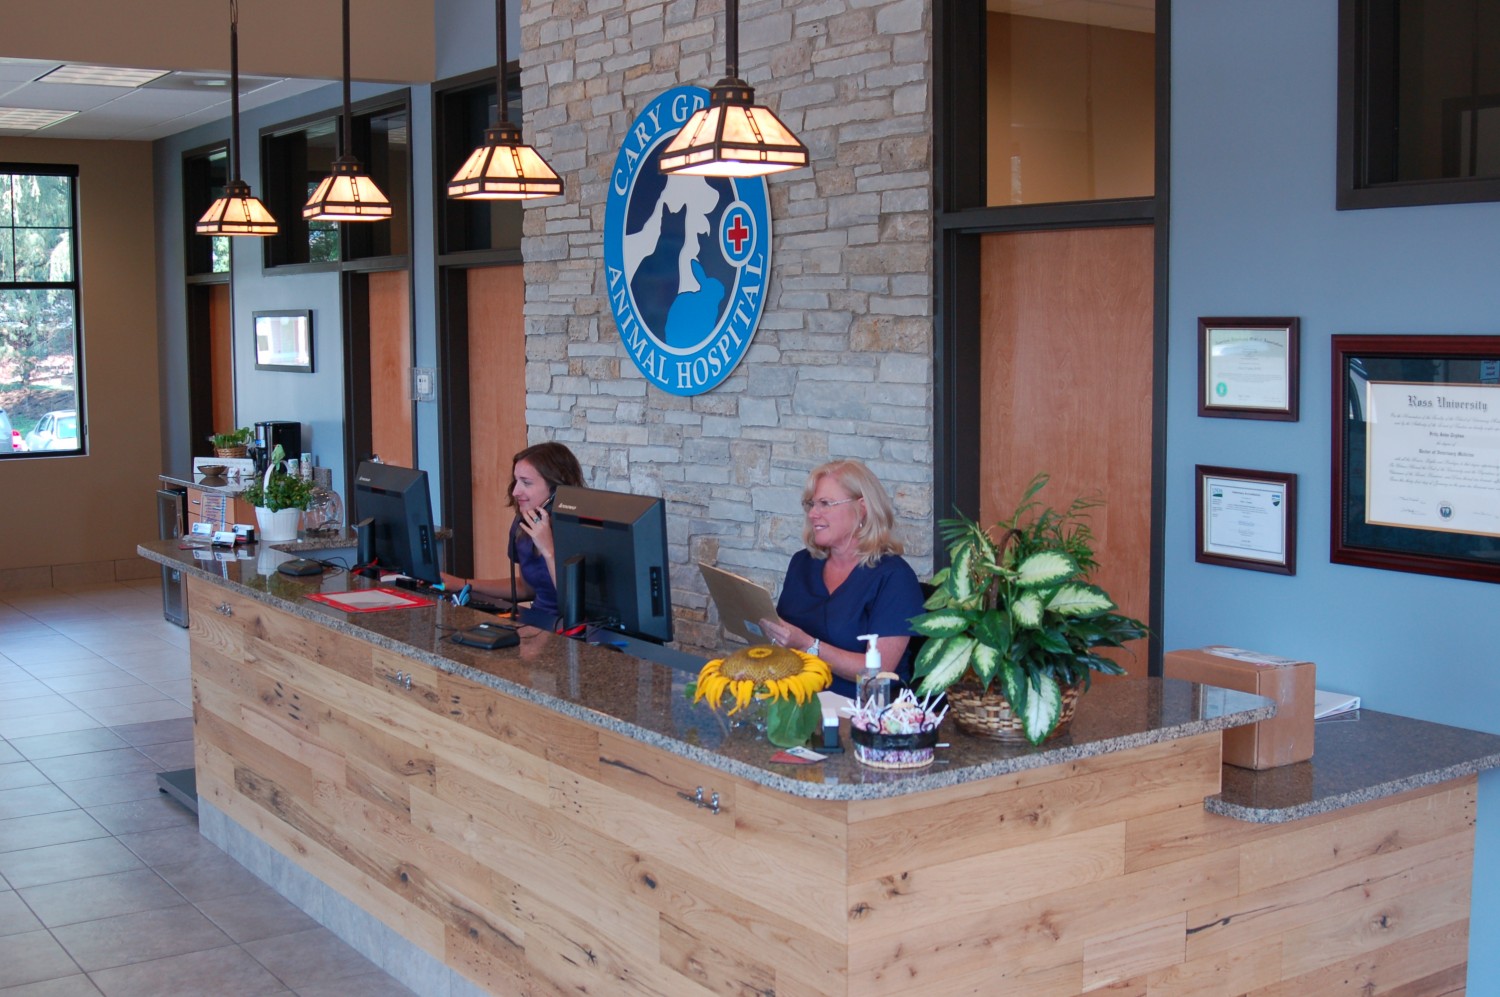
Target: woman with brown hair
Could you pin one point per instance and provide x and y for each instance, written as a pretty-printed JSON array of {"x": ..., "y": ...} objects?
[{"x": 535, "y": 474}]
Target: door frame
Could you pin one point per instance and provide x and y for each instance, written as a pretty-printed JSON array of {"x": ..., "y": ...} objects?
[{"x": 961, "y": 218}]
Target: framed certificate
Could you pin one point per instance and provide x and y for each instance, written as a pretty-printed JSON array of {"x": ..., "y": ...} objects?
[
  {"x": 1416, "y": 454},
  {"x": 1248, "y": 367},
  {"x": 1247, "y": 519}
]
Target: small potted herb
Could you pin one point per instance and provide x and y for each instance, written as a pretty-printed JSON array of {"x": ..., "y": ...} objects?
[
  {"x": 231, "y": 444},
  {"x": 279, "y": 499}
]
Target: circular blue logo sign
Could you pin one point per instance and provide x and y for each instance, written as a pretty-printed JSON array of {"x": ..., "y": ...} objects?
[{"x": 685, "y": 258}]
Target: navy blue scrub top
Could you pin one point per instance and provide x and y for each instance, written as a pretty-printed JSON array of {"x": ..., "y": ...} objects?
[{"x": 879, "y": 600}]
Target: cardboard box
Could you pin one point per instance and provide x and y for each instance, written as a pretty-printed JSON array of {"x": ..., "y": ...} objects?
[{"x": 1283, "y": 739}]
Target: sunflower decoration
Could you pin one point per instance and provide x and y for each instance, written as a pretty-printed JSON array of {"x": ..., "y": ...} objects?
[{"x": 787, "y": 681}]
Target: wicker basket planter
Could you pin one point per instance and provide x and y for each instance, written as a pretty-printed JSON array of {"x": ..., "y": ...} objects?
[
  {"x": 987, "y": 713},
  {"x": 239, "y": 451}
]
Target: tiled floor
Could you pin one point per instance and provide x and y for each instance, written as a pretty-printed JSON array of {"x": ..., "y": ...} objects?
[{"x": 105, "y": 885}]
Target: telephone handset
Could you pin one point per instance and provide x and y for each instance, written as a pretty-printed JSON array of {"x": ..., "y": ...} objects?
[{"x": 533, "y": 519}]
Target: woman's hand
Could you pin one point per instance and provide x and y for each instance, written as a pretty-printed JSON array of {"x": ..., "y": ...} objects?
[
  {"x": 786, "y": 635},
  {"x": 538, "y": 526}
]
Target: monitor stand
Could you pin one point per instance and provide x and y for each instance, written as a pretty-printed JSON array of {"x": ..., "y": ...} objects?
[
  {"x": 570, "y": 592},
  {"x": 364, "y": 550}
]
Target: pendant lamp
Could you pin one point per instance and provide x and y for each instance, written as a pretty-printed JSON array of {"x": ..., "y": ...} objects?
[
  {"x": 504, "y": 168},
  {"x": 237, "y": 212},
  {"x": 733, "y": 136},
  {"x": 347, "y": 194}
]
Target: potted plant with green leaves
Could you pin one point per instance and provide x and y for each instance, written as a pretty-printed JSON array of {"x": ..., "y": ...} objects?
[
  {"x": 279, "y": 499},
  {"x": 231, "y": 444},
  {"x": 1014, "y": 627}
]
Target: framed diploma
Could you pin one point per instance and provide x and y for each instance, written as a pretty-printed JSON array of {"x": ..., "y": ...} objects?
[
  {"x": 1416, "y": 454},
  {"x": 1247, "y": 519},
  {"x": 1248, "y": 367}
]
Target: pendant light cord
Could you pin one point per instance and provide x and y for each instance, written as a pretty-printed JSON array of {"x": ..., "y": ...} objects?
[
  {"x": 732, "y": 39},
  {"x": 346, "y": 134},
  {"x": 234, "y": 87},
  {"x": 502, "y": 84}
]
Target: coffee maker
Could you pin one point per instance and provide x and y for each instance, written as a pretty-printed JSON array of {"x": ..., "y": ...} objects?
[{"x": 268, "y": 434}]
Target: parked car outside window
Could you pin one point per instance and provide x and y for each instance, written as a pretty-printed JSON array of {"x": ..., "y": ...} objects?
[
  {"x": 10, "y": 437},
  {"x": 55, "y": 431}
]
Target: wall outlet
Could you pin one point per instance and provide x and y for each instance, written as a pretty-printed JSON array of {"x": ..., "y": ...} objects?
[{"x": 423, "y": 384}]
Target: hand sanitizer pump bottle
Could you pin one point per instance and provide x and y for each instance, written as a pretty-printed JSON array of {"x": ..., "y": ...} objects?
[{"x": 872, "y": 687}]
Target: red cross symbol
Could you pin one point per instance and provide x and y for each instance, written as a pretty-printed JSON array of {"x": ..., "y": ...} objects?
[{"x": 737, "y": 234}]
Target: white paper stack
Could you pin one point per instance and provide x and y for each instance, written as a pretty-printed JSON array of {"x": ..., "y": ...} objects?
[{"x": 1330, "y": 704}]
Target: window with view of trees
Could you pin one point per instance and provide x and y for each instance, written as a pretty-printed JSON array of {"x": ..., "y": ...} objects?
[{"x": 39, "y": 333}]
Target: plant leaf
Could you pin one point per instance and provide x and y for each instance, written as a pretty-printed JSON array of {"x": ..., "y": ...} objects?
[
  {"x": 1013, "y": 684},
  {"x": 949, "y": 660},
  {"x": 993, "y": 628},
  {"x": 1026, "y": 610},
  {"x": 1047, "y": 567},
  {"x": 931, "y": 651},
  {"x": 987, "y": 661},
  {"x": 939, "y": 598},
  {"x": 1043, "y": 708},
  {"x": 1075, "y": 599},
  {"x": 961, "y": 579},
  {"x": 788, "y": 724},
  {"x": 941, "y": 623}
]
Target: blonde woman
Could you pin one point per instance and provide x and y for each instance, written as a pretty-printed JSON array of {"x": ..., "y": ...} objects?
[{"x": 849, "y": 579}]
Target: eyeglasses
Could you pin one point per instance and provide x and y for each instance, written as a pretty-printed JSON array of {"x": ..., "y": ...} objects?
[{"x": 825, "y": 504}]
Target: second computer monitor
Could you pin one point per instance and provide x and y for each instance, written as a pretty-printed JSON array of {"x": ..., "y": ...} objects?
[
  {"x": 615, "y": 545},
  {"x": 397, "y": 501}
]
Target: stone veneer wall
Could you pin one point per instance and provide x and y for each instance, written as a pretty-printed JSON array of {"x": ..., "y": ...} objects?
[{"x": 842, "y": 363}]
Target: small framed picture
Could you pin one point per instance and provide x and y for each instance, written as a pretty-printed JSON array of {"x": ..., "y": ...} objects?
[
  {"x": 283, "y": 341},
  {"x": 1247, "y": 519},
  {"x": 1248, "y": 367}
]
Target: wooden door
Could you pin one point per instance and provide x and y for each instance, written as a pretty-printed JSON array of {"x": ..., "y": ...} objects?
[
  {"x": 497, "y": 406},
  {"x": 221, "y": 352},
  {"x": 1066, "y": 366},
  {"x": 210, "y": 342},
  {"x": 390, "y": 367}
]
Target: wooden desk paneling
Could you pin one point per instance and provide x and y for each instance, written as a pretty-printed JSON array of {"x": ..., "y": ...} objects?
[{"x": 536, "y": 853}]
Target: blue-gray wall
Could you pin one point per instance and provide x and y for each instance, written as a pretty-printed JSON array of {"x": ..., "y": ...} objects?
[
  {"x": 1254, "y": 232},
  {"x": 317, "y": 399}
]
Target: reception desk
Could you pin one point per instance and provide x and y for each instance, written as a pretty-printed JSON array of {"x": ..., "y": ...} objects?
[{"x": 557, "y": 817}]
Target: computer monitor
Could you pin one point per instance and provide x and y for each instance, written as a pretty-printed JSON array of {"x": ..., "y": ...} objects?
[
  {"x": 611, "y": 555},
  {"x": 396, "y": 501}
]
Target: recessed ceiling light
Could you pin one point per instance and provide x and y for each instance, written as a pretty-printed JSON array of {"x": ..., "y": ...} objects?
[
  {"x": 101, "y": 76},
  {"x": 30, "y": 119}
]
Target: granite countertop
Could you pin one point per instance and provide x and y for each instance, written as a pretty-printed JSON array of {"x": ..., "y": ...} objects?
[
  {"x": 1357, "y": 757},
  {"x": 644, "y": 700}
]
